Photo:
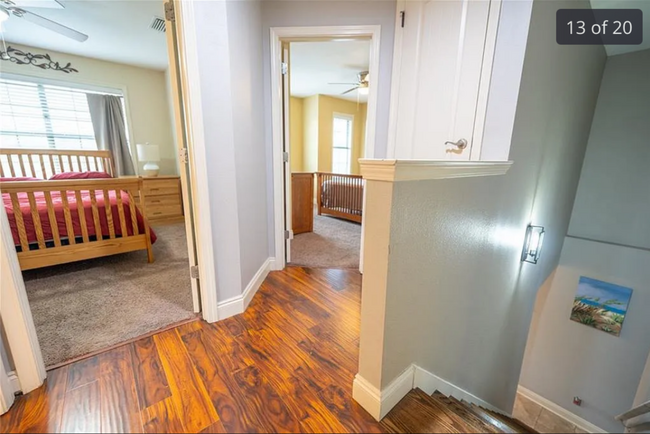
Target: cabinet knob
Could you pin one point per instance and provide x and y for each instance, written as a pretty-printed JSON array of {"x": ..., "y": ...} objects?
[{"x": 461, "y": 144}]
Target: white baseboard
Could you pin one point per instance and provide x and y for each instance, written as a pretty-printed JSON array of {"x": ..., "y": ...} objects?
[
  {"x": 236, "y": 305},
  {"x": 429, "y": 383},
  {"x": 560, "y": 411},
  {"x": 379, "y": 403},
  {"x": 14, "y": 381}
]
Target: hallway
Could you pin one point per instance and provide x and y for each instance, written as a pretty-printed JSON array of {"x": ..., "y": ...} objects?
[{"x": 287, "y": 364}]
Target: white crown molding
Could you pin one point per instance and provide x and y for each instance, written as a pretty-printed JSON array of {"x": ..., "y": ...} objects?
[
  {"x": 422, "y": 170},
  {"x": 560, "y": 411}
]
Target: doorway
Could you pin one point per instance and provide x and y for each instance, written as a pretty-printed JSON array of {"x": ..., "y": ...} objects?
[
  {"x": 323, "y": 123},
  {"x": 138, "y": 277}
]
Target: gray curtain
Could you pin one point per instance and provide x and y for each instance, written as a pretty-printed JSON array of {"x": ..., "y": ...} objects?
[{"x": 110, "y": 130}]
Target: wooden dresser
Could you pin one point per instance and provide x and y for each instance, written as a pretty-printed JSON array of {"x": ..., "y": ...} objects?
[
  {"x": 163, "y": 199},
  {"x": 302, "y": 202}
]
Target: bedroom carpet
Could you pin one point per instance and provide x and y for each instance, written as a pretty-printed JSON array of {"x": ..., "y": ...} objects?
[
  {"x": 335, "y": 243},
  {"x": 85, "y": 306}
]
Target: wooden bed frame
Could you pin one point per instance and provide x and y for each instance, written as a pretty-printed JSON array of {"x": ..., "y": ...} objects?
[
  {"x": 349, "y": 195},
  {"x": 43, "y": 163},
  {"x": 60, "y": 250}
]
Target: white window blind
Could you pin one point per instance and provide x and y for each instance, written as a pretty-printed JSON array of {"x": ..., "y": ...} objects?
[
  {"x": 41, "y": 116},
  {"x": 342, "y": 144}
]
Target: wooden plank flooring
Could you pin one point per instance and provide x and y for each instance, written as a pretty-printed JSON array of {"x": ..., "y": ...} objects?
[{"x": 285, "y": 365}]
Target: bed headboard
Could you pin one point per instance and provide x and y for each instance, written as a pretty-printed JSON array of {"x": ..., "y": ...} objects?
[{"x": 43, "y": 163}]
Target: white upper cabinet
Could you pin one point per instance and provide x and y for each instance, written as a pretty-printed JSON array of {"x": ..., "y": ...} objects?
[{"x": 443, "y": 63}]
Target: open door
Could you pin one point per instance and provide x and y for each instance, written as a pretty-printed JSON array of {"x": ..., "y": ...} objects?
[
  {"x": 286, "y": 146},
  {"x": 182, "y": 141}
]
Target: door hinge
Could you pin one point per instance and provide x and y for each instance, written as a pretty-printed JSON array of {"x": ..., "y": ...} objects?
[
  {"x": 182, "y": 154},
  {"x": 402, "y": 14},
  {"x": 285, "y": 68},
  {"x": 169, "y": 11},
  {"x": 285, "y": 157},
  {"x": 194, "y": 271},
  {"x": 288, "y": 235}
]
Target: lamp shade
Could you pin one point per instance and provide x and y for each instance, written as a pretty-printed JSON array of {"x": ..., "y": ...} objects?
[{"x": 148, "y": 152}]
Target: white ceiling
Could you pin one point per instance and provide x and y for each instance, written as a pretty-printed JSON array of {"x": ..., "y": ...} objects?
[
  {"x": 117, "y": 30},
  {"x": 316, "y": 64},
  {"x": 644, "y": 5}
]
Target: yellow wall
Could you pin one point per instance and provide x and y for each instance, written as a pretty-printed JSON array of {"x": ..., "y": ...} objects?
[
  {"x": 310, "y": 134},
  {"x": 147, "y": 109},
  {"x": 317, "y": 124},
  {"x": 363, "y": 117},
  {"x": 296, "y": 133},
  {"x": 327, "y": 106}
]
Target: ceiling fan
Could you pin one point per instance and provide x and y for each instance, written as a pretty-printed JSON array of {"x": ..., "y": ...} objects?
[
  {"x": 363, "y": 80},
  {"x": 16, "y": 8}
]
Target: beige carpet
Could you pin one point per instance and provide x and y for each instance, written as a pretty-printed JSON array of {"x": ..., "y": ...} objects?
[
  {"x": 85, "y": 306},
  {"x": 335, "y": 243}
]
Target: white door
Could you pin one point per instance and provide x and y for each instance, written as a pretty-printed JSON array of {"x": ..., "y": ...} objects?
[
  {"x": 286, "y": 133},
  {"x": 446, "y": 57},
  {"x": 181, "y": 140}
]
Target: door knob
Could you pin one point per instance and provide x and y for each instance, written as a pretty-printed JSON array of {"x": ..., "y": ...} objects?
[{"x": 461, "y": 144}]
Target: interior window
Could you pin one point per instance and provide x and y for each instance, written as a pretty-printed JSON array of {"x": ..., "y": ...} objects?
[{"x": 342, "y": 143}]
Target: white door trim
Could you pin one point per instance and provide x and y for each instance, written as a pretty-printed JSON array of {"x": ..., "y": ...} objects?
[
  {"x": 16, "y": 314},
  {"x": 196, "y": 149},
  {"x": 306, "y": 33}
]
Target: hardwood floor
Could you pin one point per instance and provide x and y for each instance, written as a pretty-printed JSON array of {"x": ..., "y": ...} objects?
[{"x": 286, "y": 364}]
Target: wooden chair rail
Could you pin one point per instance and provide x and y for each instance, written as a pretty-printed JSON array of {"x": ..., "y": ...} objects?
[
  {"x": 73, "y": 246},
  {"x": 44, "y": 163}
]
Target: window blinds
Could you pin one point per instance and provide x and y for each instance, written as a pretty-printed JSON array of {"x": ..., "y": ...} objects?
[{"x": 34, "y": 115}]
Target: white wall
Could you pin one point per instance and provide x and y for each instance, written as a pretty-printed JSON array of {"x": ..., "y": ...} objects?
[
  {"x": 618, "y": 211},
  {"x": 459, "y": 301},
  {"x": 298, "y": 13},
  {"x": 229, "y": 55},
  {"x": 566, "y": 359},
  {"x": 563, "y": 358},
  {"x": 245, "y": 26},
  {"x": 147, "y": 107}
]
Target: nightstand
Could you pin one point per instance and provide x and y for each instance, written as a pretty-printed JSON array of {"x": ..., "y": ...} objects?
[{"x": 163, "y": 199}]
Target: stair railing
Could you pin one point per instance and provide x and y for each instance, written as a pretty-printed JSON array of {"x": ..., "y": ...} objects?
[{"x": 637, "y": 411}]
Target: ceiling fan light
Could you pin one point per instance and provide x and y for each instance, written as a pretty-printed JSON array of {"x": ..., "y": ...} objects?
[{"x": 363, "y": 90}]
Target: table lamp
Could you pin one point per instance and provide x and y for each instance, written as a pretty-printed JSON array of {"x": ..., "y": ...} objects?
[{"x": 150, "y": 155}]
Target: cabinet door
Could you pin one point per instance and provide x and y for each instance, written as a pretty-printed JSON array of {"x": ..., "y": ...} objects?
[{"x": 443, "y": 76}]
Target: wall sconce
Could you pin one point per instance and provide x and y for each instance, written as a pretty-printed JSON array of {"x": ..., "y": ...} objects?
[{"x": 533, "y": 244}]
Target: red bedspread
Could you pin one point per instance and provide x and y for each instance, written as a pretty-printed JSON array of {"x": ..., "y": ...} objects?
[{"x": 76, "y": 222}]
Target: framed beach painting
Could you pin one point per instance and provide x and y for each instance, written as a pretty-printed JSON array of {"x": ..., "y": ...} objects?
[{"x": 601, "y": 305}]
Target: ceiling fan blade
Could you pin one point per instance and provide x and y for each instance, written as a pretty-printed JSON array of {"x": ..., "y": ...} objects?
[
  {"x": 50, "y": 4},
  {"x": 349, "y": 84},
  {"x": 51, "y": 25},
  {"x": 350, "y": 90}
]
